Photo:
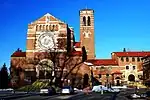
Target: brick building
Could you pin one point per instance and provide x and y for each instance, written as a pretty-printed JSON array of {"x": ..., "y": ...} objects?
[
  {"x": 49, "y": 40},
  {"x": 49, "y": 37},
  {"x": 122, "y": 68}
]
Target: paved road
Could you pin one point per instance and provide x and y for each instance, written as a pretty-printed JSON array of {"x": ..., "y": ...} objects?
[
  {"x": 80, "y": 96},
  {"x": 126, "y": 92},
  {"x": 95, "y": 96},
  {"x": 38, "y": 97}
]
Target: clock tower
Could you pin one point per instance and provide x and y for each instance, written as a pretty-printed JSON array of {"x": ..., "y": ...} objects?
[{"x": 87, "y": 32}]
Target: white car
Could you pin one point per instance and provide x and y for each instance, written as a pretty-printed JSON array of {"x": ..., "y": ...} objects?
[
  {"x": 44, "y": 91},
  {"x": 77, "y": 90},
  {"x": 134, "y": 96},
  {"x": 67, "y": 90},
  {"x": 47, "y": 91}
]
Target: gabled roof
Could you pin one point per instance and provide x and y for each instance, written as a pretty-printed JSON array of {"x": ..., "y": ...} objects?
[
  {"x": 105, "y": 62},
  {"x": 131, "y": 54},
  {"x": 86, "y": 9},
  {"x": 47, "y": 17}
]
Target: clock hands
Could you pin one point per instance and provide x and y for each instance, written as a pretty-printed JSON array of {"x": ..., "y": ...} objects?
[{"x": 47, "y": 41}]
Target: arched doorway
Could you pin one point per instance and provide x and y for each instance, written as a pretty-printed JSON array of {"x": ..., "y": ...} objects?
[
  {"x": 117, "y": 81},
  {"x": 44, "y": 69},
  {"x": 131, "y": 77},
  {"x": 85, "y": 80}
]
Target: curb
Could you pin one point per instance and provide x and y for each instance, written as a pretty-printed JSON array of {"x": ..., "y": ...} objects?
[{"x": 15, "y": 96}]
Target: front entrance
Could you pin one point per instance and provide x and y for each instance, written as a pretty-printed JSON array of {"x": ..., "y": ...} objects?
[
  {"x": 117, "y": 81},
  {"x": 131, "y": 78}
]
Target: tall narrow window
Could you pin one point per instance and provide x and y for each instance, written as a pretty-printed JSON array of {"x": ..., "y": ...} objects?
[
  {"x": 138, "y": 59},
  {"x": 89, "y": 21},
  {"x": 37, "y": 28},
  {"x": 84, "y": 21},
  {"x": 122, "y": 59},
  {"x": 53, "y": 27},
  {"x": 127, "y": 59},
  {"x": 46, "y": 27},
  {"x": 133, "y": 59},
  {"x": 40, "y": 27},
  {"x": 50, "y": 28}
]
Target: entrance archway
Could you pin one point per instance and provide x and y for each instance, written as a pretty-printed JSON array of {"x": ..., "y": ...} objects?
[
  {"x": 44, "y": 69},
  {"x": 118, "y": 81},
  {"x": 131, "y": 77},
  {"x": 85, "y": 80}
]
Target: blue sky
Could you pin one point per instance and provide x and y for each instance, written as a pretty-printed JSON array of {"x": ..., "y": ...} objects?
[{"x": 118, "y": 23}]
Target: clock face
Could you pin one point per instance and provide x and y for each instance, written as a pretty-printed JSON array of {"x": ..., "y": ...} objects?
[{"x": 46, "y": 41}]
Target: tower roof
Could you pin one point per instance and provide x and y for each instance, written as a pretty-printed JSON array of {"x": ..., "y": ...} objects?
[{"x": 86, "y": 9}]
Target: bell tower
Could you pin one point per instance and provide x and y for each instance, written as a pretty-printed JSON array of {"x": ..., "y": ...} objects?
[{"x": 87, "y": 32}]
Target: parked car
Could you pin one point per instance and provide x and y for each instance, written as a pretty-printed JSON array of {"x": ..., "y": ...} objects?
[
  {"x": 48, "y": 91},
  {"x": 77, "y": 90},
  {"x": 67, "y": 90},
  {"x": 135, "y": 96},
  {"x": 100, "y": 88}
]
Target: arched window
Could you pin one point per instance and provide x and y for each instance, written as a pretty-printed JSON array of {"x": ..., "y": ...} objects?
[
  {"x": 46, "y": 27},
  {"x": 89, "y": 21},
  {"x": 133, "y": 59},
  {"x": 138, "y": 59},
  {"x": 122, "y": 59},
  {"x": 37, "y": 28},
  {"x": 40, "y": 28},
  {"x": 127, "y": 59},
  {"x": 53, "y": 27},
  {"x": 50, "y": 28},
  {"x": 84, "y": 21}
]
